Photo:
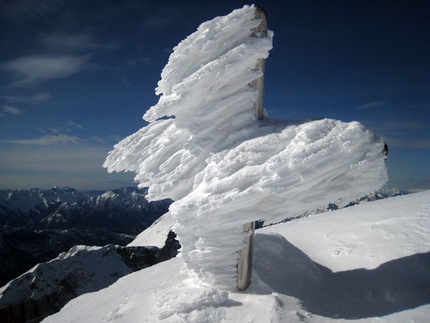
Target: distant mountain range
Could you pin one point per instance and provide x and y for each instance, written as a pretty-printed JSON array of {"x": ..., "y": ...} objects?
[
  {"x": 36, "y": 225},
  {"x": 383, "y": 193}
]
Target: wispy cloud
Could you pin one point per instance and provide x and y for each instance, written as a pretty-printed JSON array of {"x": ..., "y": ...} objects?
[
  {"x": 161, "y": 19},
  {"x": 29, "y": 71},
  {"x": 73, "y": 42},
  {"x": 96, "y": 139},
  {"x": 36, "y": 98},
  {"x": 67, "y": 127},
  {"x": 61, "y": 54},
  {"x": 48, "y": 140},
  {"x": 135, "y": 62},
  {"x": 67, "y": 134},
  {"x": 374, "y": 104},
  {"x": 11, "y": 110},
  {"x": 74, "y": 125}
]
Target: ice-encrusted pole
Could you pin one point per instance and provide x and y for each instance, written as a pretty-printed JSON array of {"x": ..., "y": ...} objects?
[
  {"x": 260, "y": 31},
  {"x": 244, "y": 265}
]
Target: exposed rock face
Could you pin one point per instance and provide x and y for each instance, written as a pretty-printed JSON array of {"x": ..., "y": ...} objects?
[
  {"x": 12, "y": 259},
  {"x": 137, "y": 258},
  {"x": 37, "y": 225},
  {"x": 47, "y": 287}
]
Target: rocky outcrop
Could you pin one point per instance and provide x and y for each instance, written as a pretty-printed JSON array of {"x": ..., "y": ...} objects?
[
  {"x": 136, "y": 257},
  {"x": 47, "y": 287},
  {"x": 20, "y": 261},
  {"x": 37, "y": 225}
]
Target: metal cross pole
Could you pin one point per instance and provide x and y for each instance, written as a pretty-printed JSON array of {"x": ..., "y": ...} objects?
[
  {"x": 260, "y": 31},
  {"x": 244, "y": 266}
]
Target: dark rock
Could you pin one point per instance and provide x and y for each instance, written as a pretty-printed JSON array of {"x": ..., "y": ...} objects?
[
  {"x": 40, "y": 224},
  {"x": 47, "y": 287}
]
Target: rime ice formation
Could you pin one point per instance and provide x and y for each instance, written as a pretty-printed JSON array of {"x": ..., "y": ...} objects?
[{"x": 224, "y": 168}]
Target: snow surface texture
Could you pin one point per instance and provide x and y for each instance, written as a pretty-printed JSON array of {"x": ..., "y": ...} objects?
[
  {"x": 366, "y": 263},
  {"x": 224, "y": 168}
]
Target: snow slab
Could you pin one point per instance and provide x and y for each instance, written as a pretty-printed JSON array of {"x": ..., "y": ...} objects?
[
  {"x": 156, "y": 234},
  {"x": 366, "y": 263}
]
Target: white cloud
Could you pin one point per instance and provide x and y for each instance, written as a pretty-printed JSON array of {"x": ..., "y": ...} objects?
[
  {"x": 48, "y": 140},
  {"x": 96, "y": 139},
  {"x": 11, "y": 110},
  {"x": 75, "y": 125},
  {"x": 40, "y": 97},
  {"x": 135, "y": 62},
  {"x": 374, "y": 104},
  {"x": 59, "y": 129},
  {"x": 74, "y": 43},
  {"x": 31, "y": 70},
  {"x": 36, "y": 98},
  {"x": 68, "y": 42}
]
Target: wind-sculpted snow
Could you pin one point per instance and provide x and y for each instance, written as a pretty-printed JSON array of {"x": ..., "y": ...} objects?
[{"x": 224, "y": 168}]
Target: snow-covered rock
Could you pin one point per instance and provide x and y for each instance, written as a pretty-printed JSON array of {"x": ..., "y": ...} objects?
[
  {"x": 45, "y": 288},
  {"x": 156, "y": 234}
]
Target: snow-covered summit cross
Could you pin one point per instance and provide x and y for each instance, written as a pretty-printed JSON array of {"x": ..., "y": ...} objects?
[{"x": 221, "y": 166}]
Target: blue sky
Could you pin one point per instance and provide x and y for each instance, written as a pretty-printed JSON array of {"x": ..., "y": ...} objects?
[{"x": 77, "y": 76}]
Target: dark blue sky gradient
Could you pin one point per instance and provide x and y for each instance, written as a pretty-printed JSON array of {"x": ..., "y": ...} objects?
[{"x": 76, "y": 77}]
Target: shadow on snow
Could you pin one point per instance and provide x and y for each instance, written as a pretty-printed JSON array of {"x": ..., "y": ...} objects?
[{"x": 394, "y": 286}]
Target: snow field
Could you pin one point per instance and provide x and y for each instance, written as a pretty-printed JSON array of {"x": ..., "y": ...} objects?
[{"x": 296, "y": 276}]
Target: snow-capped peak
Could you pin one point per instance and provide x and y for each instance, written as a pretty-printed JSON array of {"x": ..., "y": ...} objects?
[{"x": 25, "y": 200}]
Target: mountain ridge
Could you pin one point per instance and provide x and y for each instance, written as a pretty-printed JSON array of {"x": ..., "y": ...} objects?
[{"x": 38, "y": 224}]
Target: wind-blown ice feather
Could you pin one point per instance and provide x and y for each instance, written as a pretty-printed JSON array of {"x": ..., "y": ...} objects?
[{"x": 224, "y": 168}]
